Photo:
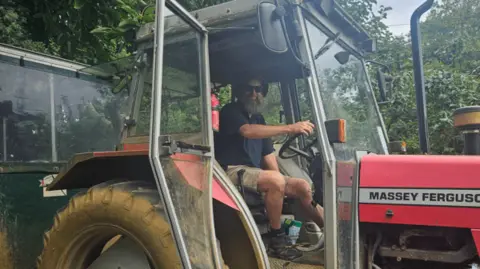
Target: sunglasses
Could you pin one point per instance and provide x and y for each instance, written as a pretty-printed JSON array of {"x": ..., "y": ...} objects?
[{"x": 250, "y": 89}]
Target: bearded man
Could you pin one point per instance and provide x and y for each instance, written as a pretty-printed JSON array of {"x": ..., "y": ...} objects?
[{"x": 246, "y": 147}]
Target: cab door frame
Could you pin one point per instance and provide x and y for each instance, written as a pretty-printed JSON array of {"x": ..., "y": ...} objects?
[
  {"x": 326, "y": 151},
  {"x": 155, "y": 134}
]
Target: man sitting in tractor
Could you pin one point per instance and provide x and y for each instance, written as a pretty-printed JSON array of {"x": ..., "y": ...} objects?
[{"x": 247, "y": 148}]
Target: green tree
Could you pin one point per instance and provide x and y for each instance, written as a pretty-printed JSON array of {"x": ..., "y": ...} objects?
[
  {"x": 13, "y": 29},
  {"x": 96, "y": 32},
  {"x": 450, "y": 44},
  {"x": 77, "y": 31},
  {"x": 365, "y": 13}
]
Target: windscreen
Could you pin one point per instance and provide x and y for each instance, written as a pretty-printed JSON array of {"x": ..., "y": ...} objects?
[
  {"x": 346, "y": 94},
  {"x": 49, "y": 117}
]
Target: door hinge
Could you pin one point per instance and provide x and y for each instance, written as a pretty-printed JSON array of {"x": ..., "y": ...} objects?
[
  {"x": 168, "y": 146},
  {"x": 129, "y": 122}
]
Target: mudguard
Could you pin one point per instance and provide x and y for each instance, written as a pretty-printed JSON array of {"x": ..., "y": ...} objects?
[{"x": 85, "y": 170}]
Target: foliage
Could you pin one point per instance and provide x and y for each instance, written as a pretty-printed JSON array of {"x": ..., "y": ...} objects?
[
  {"x": 92, "y": 32},
  {"x": 131, "y": 19},
  {"x": 82, "y": 30},
  {"x": 451, "y": 34},
  {"x": 13, "y": 32},
  {"x": 65, "y": 29},
  {"x": 450, "y": 53},
  {"x": 365, "y": 13},
  {"x": 446, "y": 90}
]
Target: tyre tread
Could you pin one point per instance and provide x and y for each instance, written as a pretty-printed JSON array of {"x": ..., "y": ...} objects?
[{"x": 104, "y": 193}]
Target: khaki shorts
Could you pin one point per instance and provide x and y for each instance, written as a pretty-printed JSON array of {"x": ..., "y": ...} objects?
[{"x": 249, "y": 178}]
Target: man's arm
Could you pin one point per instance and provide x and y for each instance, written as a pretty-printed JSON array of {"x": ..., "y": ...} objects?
[
  {"x": 259, "y": 131},
  {"x": 269, "y": 161},
  {"x": 232, "y": 121}
]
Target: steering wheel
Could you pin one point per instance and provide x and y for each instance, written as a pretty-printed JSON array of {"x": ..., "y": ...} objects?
[{"x": 296, "y": 151}]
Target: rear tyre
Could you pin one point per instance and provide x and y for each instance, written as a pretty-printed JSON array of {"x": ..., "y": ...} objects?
[{"x": 132, "y": 209}]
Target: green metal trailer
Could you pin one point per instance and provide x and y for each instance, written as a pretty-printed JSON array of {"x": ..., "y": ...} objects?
[{"x": 49, "y": 110}]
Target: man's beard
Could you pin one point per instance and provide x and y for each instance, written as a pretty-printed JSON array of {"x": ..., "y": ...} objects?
[{"x": 254, "y": 106}]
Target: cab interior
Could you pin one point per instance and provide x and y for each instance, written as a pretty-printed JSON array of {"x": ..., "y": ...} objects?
[
  {"x": 241, "y": 57},
  {"x": 237, "y": 55}
]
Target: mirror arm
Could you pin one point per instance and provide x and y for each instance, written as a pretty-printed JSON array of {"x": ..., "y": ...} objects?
[
  {"x": 285, "y": 30},
  {"x": 380, "y": 64}
]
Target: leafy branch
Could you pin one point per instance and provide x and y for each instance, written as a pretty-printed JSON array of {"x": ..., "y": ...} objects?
[{"x": 131, "y": 20}]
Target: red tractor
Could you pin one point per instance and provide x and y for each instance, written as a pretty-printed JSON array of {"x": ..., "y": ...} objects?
[{"x": 162, "y": 201}]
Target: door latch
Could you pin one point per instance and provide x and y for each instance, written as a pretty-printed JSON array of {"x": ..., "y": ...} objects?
[{"x": 169, "y": 146}]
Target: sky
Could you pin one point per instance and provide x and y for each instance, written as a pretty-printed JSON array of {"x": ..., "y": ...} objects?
[{"x": 398, "y": 19}]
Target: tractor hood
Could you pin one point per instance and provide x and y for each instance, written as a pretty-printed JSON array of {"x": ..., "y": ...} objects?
[
  {"x": 420, "y": 171},
  {"x": 425, "y": 190}
]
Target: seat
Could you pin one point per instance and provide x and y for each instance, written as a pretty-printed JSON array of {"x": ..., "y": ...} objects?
[{"x": 290, "y": 167}]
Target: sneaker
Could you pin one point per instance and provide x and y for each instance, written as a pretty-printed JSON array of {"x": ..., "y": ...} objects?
[
  {"x": 321, "y": 241},
  {"x": 279, "y": 247}
]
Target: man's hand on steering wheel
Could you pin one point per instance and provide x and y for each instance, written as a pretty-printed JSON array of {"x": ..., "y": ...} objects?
[{"x": 302, "y": 127}]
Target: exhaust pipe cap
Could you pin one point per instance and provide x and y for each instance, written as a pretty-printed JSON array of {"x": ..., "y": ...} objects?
[{"x": 467, "y": 118}]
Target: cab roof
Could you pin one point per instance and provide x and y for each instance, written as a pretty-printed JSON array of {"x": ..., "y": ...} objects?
[{"x": 235, "y": 45}]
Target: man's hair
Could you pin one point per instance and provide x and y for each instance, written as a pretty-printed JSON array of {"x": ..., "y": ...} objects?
[{"x": 238, "y": 88}]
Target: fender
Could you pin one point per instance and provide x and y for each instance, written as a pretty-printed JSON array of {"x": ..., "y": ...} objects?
[{"x": 85, "y": 170}]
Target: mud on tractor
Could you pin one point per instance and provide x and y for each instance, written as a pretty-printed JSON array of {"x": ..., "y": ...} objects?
[{"x": 160, "y": 200}]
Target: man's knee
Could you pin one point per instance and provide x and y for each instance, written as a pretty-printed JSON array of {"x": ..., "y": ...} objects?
[
  {"x": 272, "y": 180},
  {"x": 305, "y": 189},
  {"x": 300, "y": 189}
]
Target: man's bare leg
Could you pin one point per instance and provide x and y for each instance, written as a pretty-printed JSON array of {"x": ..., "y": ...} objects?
[
  {"x": 300, "y": 189},
  {"x": 273, "y": 185}
]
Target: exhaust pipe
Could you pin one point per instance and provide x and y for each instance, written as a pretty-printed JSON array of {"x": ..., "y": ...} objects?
[{"x": 419, "y": 76}]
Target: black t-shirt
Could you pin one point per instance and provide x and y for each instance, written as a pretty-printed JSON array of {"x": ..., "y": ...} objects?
[{"x": 231, "y": 148}]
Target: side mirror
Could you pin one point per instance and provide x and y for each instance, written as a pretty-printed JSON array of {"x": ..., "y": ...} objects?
[
  {"x": 6, "y": 108},
  {"x": 382, "y": 85},
  {"x": 271, "y": 29},
  {"x": 382, "y": 80},
  {"x": 325, "y": 6},
  {"x": 281, "y": 115},
  {"x": 342, "y": 57}
]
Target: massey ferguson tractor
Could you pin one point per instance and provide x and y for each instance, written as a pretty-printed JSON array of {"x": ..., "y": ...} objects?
[{"x": 160, "y": 199}]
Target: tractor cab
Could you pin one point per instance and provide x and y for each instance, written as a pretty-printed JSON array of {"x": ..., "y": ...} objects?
[{"x": 311, "y": 57}]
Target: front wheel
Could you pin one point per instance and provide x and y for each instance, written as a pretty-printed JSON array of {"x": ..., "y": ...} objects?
[{"x": 85, "y": 229}]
